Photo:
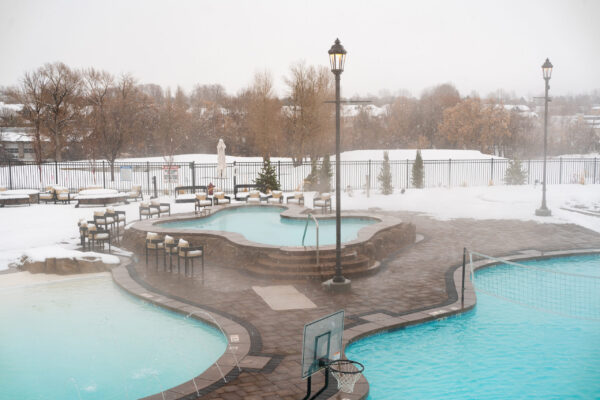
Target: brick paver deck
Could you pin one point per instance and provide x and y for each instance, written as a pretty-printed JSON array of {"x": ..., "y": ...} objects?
[{"x": 413, "y": 279}]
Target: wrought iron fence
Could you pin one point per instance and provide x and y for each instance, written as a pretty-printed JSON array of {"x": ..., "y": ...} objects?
[{"x": 355, "y": 174}]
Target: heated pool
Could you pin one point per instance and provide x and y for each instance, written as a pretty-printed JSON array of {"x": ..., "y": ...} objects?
[
  {"x": 500, "y": 349},
  {"x": 88, "y": 339},
  {"x": 265, "y": 225}
]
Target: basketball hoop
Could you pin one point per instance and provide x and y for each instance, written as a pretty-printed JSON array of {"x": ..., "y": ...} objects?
[{"x": 347, "y": 373}]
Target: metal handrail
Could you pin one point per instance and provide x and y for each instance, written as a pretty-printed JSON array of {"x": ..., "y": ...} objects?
[{"x": 317, "y": 228}]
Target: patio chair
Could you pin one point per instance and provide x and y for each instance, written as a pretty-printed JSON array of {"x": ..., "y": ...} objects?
[
  {"x": 154, "y": 242},
  {"x": 323, "y": 201},
  {"x": 101, "y": 219},
  {"x": 119, "y": 217},
  {"x": 147, "y": 211},
  {"x": 48, "y": 195},
  {"x": 83, "y": 231},
  {"x": 63, "y": 195},
  {"x": 170, "y": 249},
  {"x": 253, "y": 197},
  {"x": 135, "y": 193},
  {"x": 202, "y": 200},
  {"x": 276, "y": 197},
  {"x": 296, "y": 198},
  {"x": 188, "y": 252},
  {"x": 162, "y": 208},
  {"x": 98, "y": 236},
  {"x": 221, "y": 198}
]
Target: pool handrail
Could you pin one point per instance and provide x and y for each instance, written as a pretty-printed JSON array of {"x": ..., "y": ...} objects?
[{"x": 317, "y": 229}]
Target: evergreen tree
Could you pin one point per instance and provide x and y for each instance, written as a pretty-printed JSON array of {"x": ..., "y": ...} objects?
[
  {"x": 514, "y": 173},
  {"x": 325, "y": 175},
  {"x": 267, "y": 178},
  {"x": 385, "y": 176},
  {"x": 418, "y": 173}
]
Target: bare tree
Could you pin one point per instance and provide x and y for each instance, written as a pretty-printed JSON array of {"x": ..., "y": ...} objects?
[
  {"x": 30, "y": 93},
  {"x": 264, "y": 115},
  {"x": 308, "y": 118},
  {"x": 61, "y": 103}
]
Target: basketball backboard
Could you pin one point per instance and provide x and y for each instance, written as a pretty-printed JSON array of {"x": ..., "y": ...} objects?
[{"x": 322, "y": 341}]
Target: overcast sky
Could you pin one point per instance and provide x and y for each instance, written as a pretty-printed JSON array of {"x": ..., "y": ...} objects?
[{"x": 476, "y": 45}]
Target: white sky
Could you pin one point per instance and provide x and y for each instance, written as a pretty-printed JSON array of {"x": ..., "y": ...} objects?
[{"x": 477, "y": 45}]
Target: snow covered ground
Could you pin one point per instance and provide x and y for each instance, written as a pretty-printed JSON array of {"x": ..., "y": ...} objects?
[
  {"x": 355, "y": 155},
  {"x": 50, "y": 228}
]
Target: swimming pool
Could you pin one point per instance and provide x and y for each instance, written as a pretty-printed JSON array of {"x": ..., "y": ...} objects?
[
  {"x": 265, "y": 225},
  {"x": 88, "y": 339},
  {"x": 499, "y": 350}
]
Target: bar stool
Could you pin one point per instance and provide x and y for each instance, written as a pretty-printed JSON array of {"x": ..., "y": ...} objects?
[
  {"x": 98, "y": 236},
  {"x": 188, "y": 252},
  {"x": 170, "y": 249},
  {"x": 154, "y": 242}
]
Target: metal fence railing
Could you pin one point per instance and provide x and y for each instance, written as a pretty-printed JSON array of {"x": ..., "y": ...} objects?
[{"x": 355, "y": 174}]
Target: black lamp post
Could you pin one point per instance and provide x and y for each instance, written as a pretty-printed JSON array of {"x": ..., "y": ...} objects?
[
  {"x": 337, "y": 58},
  {"x": 543, "y": 211}
]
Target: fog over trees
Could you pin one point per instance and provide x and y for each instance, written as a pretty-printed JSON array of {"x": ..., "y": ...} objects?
[{"x": 92, "y": 114}]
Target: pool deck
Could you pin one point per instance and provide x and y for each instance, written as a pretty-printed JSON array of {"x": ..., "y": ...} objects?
[{"x": 417, "y": 283}]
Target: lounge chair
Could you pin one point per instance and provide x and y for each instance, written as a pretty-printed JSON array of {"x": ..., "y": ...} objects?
[
  {"x": 323, "y": 201},
  {"x": 220, "y": 198},
  {"x": 276, "y": 197},
  {"x": 188, "y": 252},
  {"x": 253, "y": 197},
  {"x": 296, "y": 198},
  {"x": 63, "y": 195},
  {"x": 135, "y": 193},
  {"x": 154, "y": 242}
]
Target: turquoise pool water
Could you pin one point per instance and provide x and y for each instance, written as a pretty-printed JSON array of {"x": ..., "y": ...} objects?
[
  {"x": 265, "y": 225},
  {"x": 499, "y": 350},
  {"x": 88, "y": 339}
]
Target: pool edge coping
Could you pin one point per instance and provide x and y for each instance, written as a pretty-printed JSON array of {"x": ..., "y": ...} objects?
[
  {"x": 383, "y": 321},
  {"x": 226, "y": 365}
]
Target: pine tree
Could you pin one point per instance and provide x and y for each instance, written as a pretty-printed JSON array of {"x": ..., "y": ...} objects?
[
  {"x": 514, "y": 173},
  {"x": 418, "y": 173},
  {"x": 385, "y": 176},
  {"x": 267, "y": 178},
  {"x": 325, "y": 175}
]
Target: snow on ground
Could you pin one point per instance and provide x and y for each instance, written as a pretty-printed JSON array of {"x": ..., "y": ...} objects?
[
  {"x": 355, "y": 155},
  {"x": 31, "y": 229}
]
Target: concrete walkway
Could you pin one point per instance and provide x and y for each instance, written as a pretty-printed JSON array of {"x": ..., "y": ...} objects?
[{"x": 416, "y": 278}]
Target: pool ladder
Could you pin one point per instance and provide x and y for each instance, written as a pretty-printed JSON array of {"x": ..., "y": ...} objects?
[{"x": 308, "y": 217}]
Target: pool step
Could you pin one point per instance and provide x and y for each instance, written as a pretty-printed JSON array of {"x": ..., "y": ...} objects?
[{"x": 292, "y": 265}]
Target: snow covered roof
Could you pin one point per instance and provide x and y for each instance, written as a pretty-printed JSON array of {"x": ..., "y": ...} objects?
[
  {"x": 15, "y": 135},
  {"x": 11, "y": 107},
  {"x": 352, "y": 110},
  {"x": 517, "y": 107}
]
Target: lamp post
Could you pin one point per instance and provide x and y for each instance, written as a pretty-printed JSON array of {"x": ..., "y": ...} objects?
[
  {"x": 337, "y": 58},
  {"x": 543, "y": 211}
]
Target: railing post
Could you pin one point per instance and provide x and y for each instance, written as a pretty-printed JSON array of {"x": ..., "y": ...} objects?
[
  {"x": 193, "y": 168},
  {"x": 234, "y": 175},
  {"x": 279, "y": 171},
  {"x": 492, "y": 170},
  {"x": 10, "y": 184},
  {"x": 594, "y": 169},
  {"x": 560, "y": 171},
  {"x": 369, "y": 177},
  {"x": 449, "y": 172},
  {"x": 528, "y": 171},
  {"x": 103, "y": 174},
  {"x": 148, "y": 175},
  {"x": 462, "y": 291},
  {"x": 407, "y": 181},
  {"x": 56, "y": 172}
]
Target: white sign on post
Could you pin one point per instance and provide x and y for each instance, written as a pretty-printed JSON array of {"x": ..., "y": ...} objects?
[{"x": 126, "y": 173}]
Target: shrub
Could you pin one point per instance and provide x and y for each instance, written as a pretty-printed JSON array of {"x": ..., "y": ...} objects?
[
  {"x": 385, "y": 175},
  {"x": 514, "y": 173},
  {"x": 267, "y": 178},
  {"x": 418, "y": 173}
]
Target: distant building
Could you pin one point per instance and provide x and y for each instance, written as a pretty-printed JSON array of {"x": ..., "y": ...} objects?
[{"x": 17, "y": 143}]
